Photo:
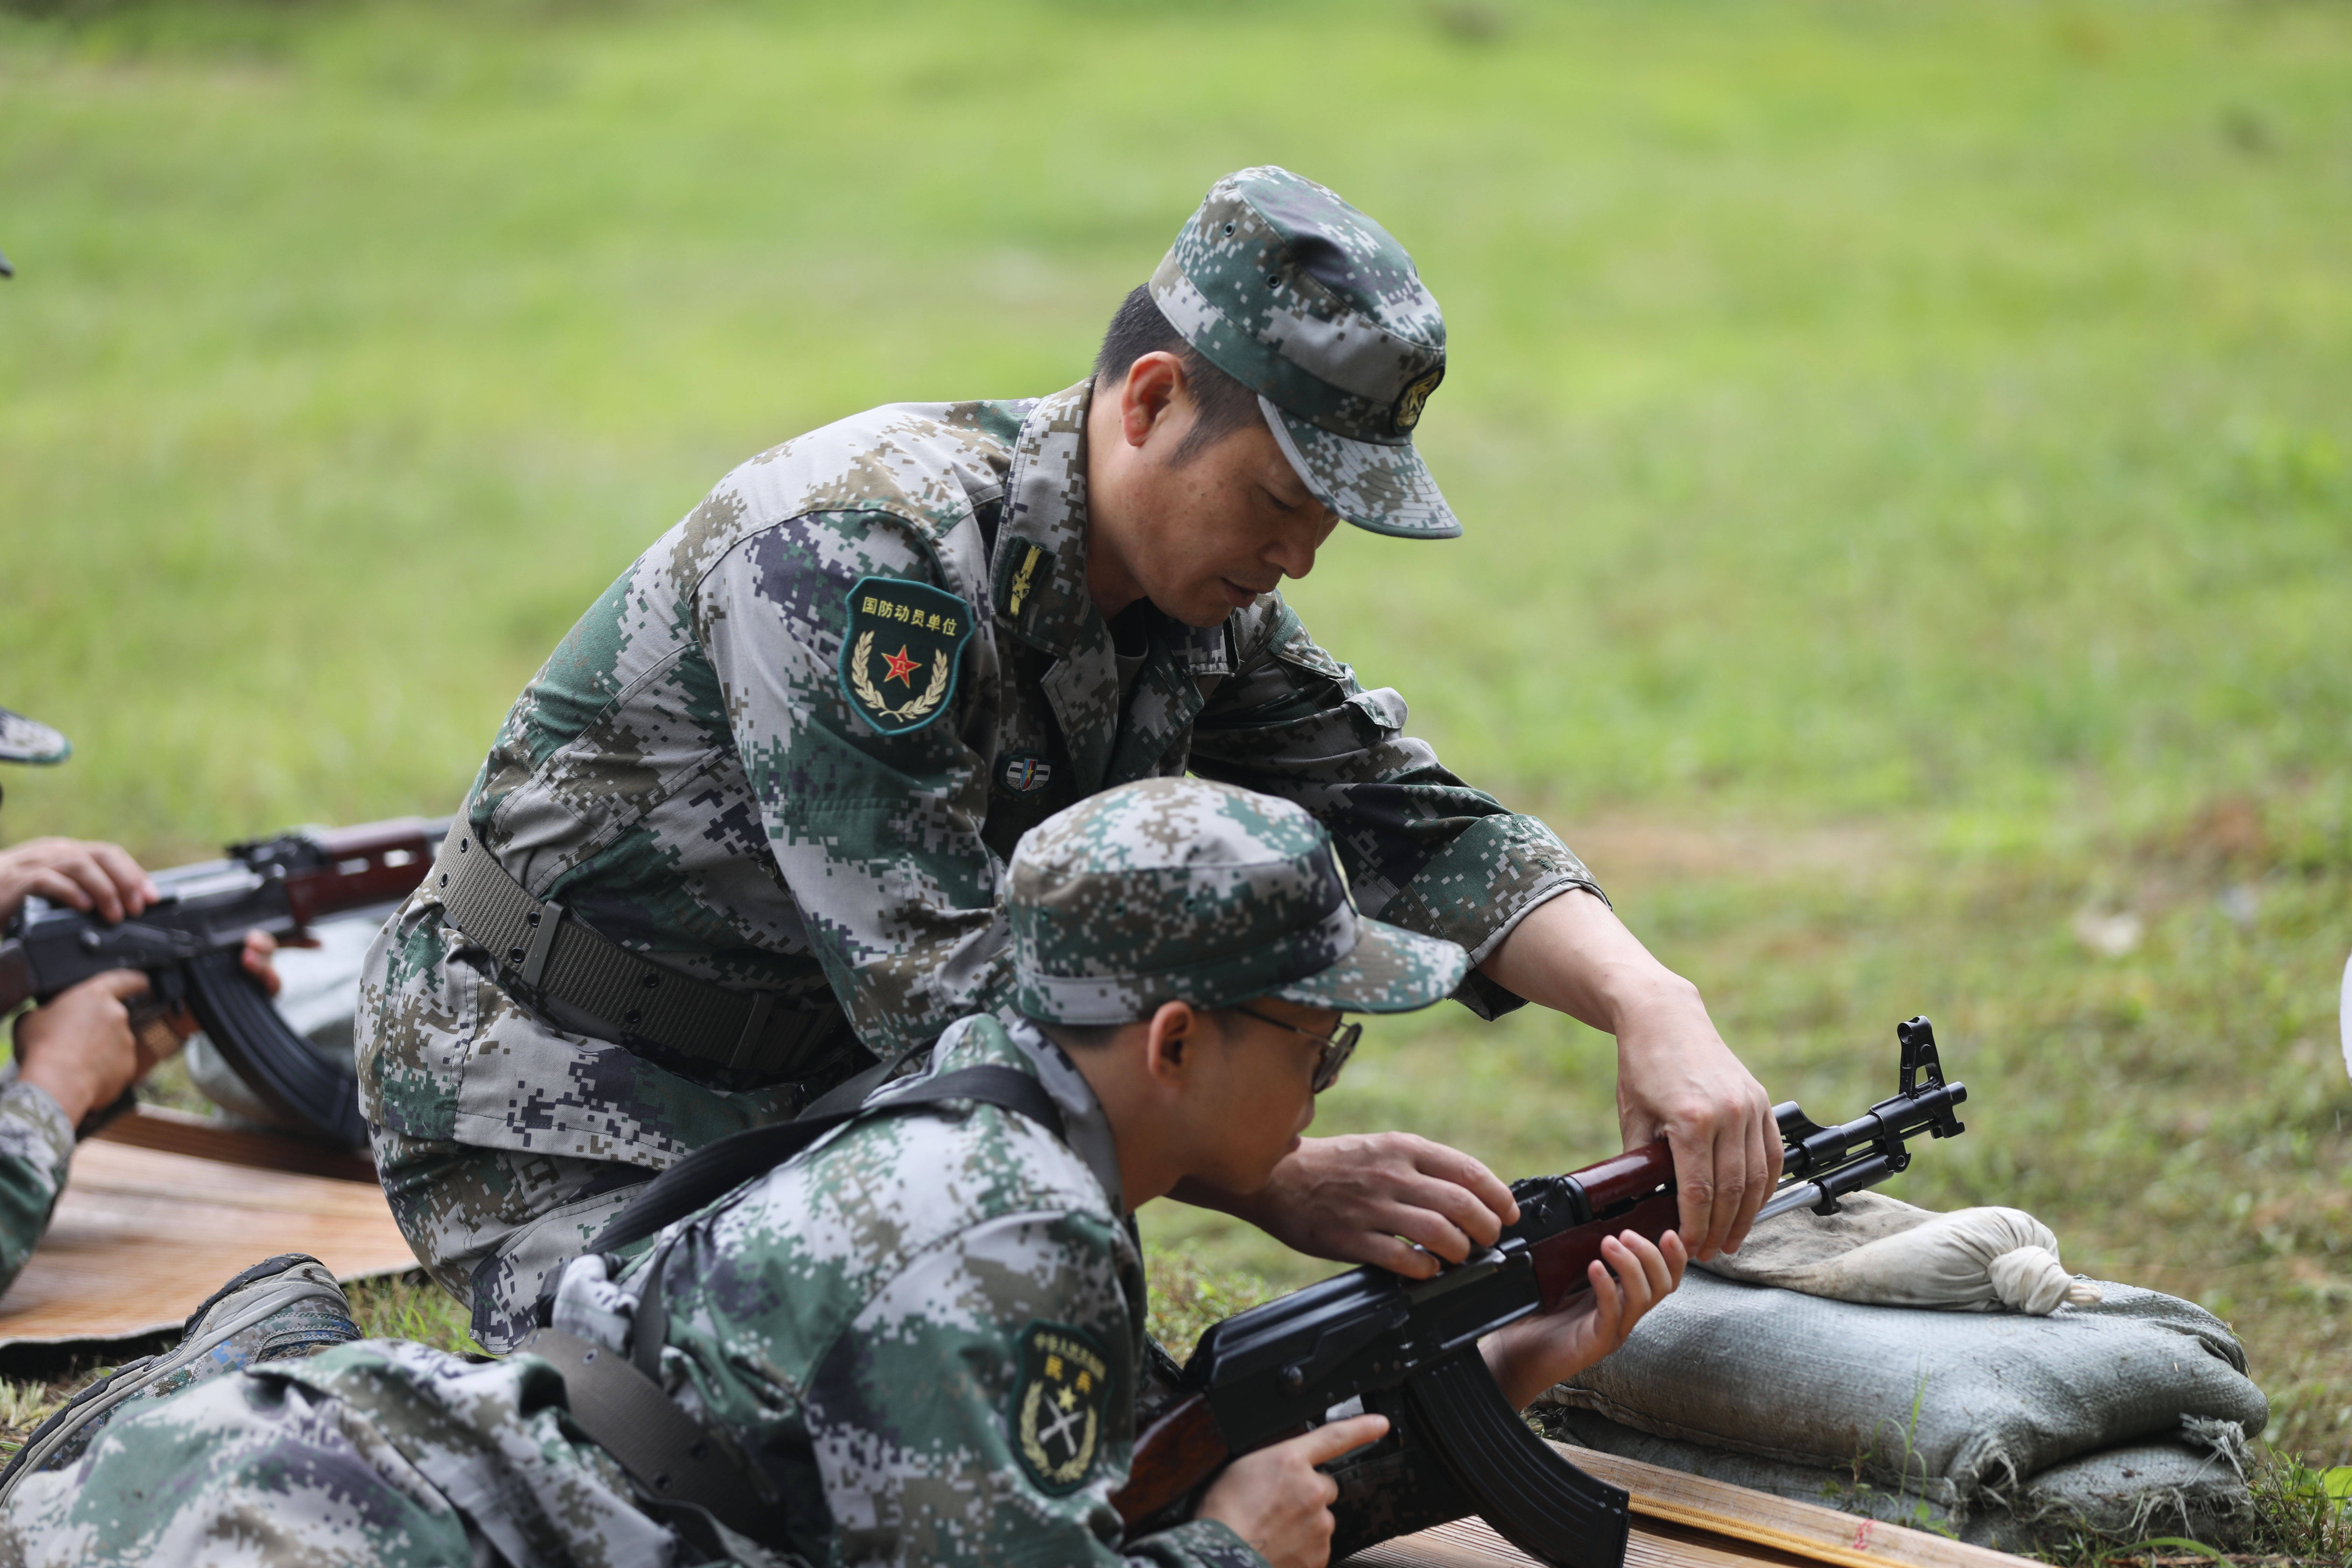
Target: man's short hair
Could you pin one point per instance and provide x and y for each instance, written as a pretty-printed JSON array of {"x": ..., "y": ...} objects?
[
  {"x": 1221, "y": 404},
  {"x": 1079, "y": 1036},
  {"x": 1099, "y": 1037}
]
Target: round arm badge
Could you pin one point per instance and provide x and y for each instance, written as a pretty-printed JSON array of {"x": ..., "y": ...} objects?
[
  {"x": 1058, "y": 1404},
  {"x": 901, "y": 656}
]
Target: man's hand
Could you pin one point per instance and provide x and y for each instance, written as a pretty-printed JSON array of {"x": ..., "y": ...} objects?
[
  {"x": 1389, "y": 1198},
  {"x": 1533, "y": 1353},
  {"x": 1276, "y": 1500},
  {"x": 84, "y": 876},
  {"x": 1675, "y": 1077},
  {"x": 1677, "y": 1080},
  {"x": 82, "y": 1047}
]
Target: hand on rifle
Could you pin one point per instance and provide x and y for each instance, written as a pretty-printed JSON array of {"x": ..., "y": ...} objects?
[
  {"x": 1389, "y": 1198},
  {"x": 84, "y": 1048},
  {"x": 1276, "y": 1500},
  {"x": 1530, "y": 1355},
  {"x": 80, "y": 874},
  {"x": 1675, "y": 1077}
]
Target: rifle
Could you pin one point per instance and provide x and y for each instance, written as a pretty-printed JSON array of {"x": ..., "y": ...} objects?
[
  {"x": 1411, "y": 1346},
  {"x": 188, "y": 943}
]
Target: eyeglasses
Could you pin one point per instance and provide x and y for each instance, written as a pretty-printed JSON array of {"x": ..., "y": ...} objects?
[{"x": 1336, "y": 1047}]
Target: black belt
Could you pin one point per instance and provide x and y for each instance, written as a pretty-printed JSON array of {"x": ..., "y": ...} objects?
[{"x": 549, "y": 955}]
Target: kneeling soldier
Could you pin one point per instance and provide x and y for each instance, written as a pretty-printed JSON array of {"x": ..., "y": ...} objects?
[{"x": 921, "y": 1341}]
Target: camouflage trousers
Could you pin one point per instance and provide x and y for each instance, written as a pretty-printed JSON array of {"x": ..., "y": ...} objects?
[
  {"x": 505, "y": 1143},
  {"x": 380, "y": 1453}
]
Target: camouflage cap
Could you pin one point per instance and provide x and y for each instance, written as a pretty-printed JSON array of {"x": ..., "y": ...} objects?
[
  {"x": 22, "y": 740},
  {"x": 1180, "y": 890},
  {"x": 1317, "y": 309}
]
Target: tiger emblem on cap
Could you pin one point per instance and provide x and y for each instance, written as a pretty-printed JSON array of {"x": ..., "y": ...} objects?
[{"x": 1415, "y": 399}]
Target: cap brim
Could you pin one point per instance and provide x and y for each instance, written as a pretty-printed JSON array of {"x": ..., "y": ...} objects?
[
  {"x": 1387, "y": 490},
  {"x": 1392, "y": 970},
  {"x": 22, "y": 740}
]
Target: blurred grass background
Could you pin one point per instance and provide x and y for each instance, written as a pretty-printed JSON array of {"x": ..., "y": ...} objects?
[{"x": 1904, "y": 451}]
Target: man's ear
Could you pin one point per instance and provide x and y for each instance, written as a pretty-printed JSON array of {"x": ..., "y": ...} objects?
[
  {"x": 1170, "y": 1036},
  {"x": 1148, "y": 397}
]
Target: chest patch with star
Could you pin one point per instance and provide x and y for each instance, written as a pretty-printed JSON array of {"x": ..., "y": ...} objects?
[
  {"x": 902, "y": 652},
  {"x": 1058, "y": 1404}
]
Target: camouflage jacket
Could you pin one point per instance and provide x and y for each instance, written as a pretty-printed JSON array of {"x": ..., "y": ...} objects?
[
  {"x": 37, "y": 1146},
  {"x": 790, "y": 748},
  {"x": 926, "y": 1335}
]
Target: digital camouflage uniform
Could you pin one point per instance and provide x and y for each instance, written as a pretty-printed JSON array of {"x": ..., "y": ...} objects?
[
  {"x": 36, "y": 1145},
  {"x": 790, "y": 749},
  {"x": 922, "y": 1341},
  {"x": 36, "y": 1142}
]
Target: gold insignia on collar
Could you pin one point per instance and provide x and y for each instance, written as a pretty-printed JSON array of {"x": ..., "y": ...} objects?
[{"x": 1021, "y": 581}]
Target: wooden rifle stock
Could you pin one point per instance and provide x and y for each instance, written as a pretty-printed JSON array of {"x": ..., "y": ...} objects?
[{"x": 1173, "y": 1455}]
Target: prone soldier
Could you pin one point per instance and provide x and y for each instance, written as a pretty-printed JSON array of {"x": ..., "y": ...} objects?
[
  {"x": 921, "y": 1341},
  {"x": 76, "y": 1056},
  {"x": 745, "y": 832}
]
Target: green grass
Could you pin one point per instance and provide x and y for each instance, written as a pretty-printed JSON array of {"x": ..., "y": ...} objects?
[{"x": 1906, "y": 451}]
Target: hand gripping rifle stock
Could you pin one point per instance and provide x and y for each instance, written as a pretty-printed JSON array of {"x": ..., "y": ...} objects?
[
  {"x": 1271, "y": 1372},
  {"x": 188, "y": 943}
]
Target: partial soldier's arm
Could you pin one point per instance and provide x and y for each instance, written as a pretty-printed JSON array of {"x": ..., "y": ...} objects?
[
  {"x": 1422, "y": 849},
  {"x": 36, "y": 1142},
  {"x": 877, "y": 835},
  {"x": 1426, "y": 851}
]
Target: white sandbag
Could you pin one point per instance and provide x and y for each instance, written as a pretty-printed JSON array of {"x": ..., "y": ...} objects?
[
  {"x": 1982, "y": 1400},
  {"x": 1884, "y": 1253}
]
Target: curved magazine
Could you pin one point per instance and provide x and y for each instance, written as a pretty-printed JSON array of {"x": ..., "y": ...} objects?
[
  {"x": 1535, "y": 1500},
  {"x": 281, "y": 1066}
]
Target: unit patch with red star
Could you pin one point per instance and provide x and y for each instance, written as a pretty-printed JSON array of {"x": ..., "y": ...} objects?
[{"x": 900, "y": 654}]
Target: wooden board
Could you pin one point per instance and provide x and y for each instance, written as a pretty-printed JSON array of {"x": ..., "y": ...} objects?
[
  {"x": 1686, "y": 1522},
  {"x": 183, "y": 1132},
  {"x": 1472, "y": 1543},
  {"x": 141, "y": 1237},
  {"x": 1808, "y": 1530}
]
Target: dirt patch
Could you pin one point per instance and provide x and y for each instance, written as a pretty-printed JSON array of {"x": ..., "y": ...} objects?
[{"x": 1641, "y": 851}]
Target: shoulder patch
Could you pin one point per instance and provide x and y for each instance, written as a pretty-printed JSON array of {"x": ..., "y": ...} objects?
[
  {"x": 902, "y": 651},
  {"x": 1058, "y": 1404}
]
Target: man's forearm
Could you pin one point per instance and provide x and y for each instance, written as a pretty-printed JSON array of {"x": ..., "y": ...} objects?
[{"x": 1572, "y": 955}]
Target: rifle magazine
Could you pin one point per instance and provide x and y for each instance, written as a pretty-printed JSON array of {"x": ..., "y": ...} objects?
[
  {"x": 280, "y": 1065},
  {"x": 1535, "y": 1500}
]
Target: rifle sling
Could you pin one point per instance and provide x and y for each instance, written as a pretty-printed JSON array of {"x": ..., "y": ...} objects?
[
  {"x": 546, "y": 953},
  {"x": 664, "y": 1449},
  {"x": 618, "y": 1400},
  {"x": 717, "y": 1169}
]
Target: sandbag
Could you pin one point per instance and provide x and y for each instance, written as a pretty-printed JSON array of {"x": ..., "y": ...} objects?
[
  {"x": 1884, "y": 1253},
  {"x": 2188, "y": 1485},
  {"x": 1982, "y": 1401}
]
